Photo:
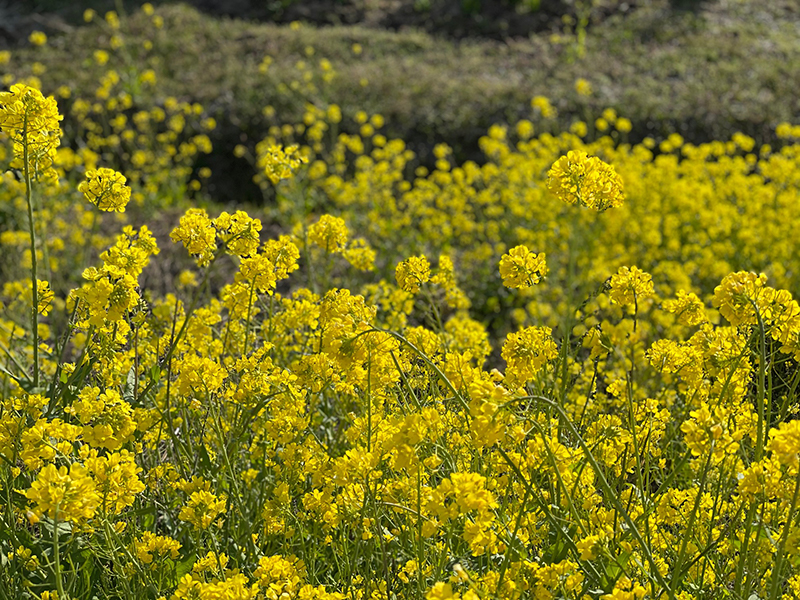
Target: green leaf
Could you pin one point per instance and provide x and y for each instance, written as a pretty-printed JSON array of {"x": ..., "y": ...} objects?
[{"x": 130, "y": 386}]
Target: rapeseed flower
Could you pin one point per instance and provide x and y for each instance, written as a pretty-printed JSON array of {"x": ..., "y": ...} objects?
[
  {"x": 329, "y": 233},
  {"x": 630, "y": 285},
  {"x": 202, "y": 509},
  {"x": 586, "y": 181},
  {"x": 32, "y": 123},
  {"x": 64, "y": 493},
  {"x": 412, "y": 273},
  {"x": 526, "y": 352},
  {"x": 280, "y": 162},
  {"x": 521, "y": 268},
  {"x": 106, "y": 189}
]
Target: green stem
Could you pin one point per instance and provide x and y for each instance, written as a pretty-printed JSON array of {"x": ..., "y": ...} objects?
[
  {"x": 607, "y": 489},
  {"x": 776, "y": 570},
  {"x": 56, "y": 558},
  {"x": 676, "y": 580},
  {"x": 32, "y": 230},
  {"x": 249, "y": 315}
]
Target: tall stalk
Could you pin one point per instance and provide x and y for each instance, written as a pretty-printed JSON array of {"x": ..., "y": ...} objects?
[{"x": 32, "y": 231}]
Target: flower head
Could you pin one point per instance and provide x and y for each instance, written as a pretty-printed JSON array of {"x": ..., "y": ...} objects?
[
  {"x": 630, "y": 285},
  {"x": 329, "y": 233},
  {"x": 578, "y": 178},
  {"x": 521, "y": 268},
  {"x": 412, "y": 273},
  {"x": 38, "y": 38},
  {"x": 31, "y": 121},
  {"x": 66, "y": 493},
  {"x": 687, "y": 307},
  {"x": 202, "y": 509},
  {"x": 583, "y": 87},
  {"x": 280, "y": 163},
  {"x": 106, "y": 189},
  {"x": 196, "y": 232},
  {"x": 526, "y": 352}
]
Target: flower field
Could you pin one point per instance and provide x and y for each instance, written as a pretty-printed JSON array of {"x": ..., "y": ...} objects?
[{"x": 566, "y": 371}]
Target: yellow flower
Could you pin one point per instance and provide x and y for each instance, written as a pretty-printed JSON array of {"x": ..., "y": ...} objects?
[
  {"x": 524, "y": 129},
  {"x": 26, "y": 557},
  {"x": 442, "y": 591},
  {"x": 586, "y": 181},
  {"x": 360, "y": 255},
  {"x": 31, "y": 121},
  {"x": 687, "y": 307},
  {"x": 211, "y": 562},
  {"x": 66, "y": 494},
  {"x": 257, "y": 271},
  {"x": 623, "y": 125},
  {"x": 521, "y": 268},
  {"x": 106, "y": 189},
  {"x": 117, "y": 479},
  {"x": 196, "y": 232},
  {"x": 107, "y": 419},
  {"x": 739, "y": 296},
  {"x": 412, "y": 273},
  {"x": 589, "y": 547},
  {"x": 45, "y": 297},
  {"x": 784, "y": 443},
  {"x": 151, "y": 548},
  {"x": 202, "y": 509},
  {"x": 284, "y": 254},
  {"x": 278, "y": 162},
  {"x": 542, "y": 104},
  {"x": 329, "y": 233},
  {"x": 279, "y": 576},
  {"x": 579, "y": 128},
  {"x": 239, "y": 232},
  {"x": 196, "y": 373},
  {"x": 630, "y": 285},
  {"x": 583, "y": 87},
  {"x": 37, "y": 38},
  {"x": 526, "y": 352}
]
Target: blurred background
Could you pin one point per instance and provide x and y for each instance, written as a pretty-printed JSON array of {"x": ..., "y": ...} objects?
[{"x": 444, "y": 71}]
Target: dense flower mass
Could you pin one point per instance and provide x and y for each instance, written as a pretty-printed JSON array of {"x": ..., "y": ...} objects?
[
  {"x": 373, "y": 388},
  {"x": 329, "y": 233}
]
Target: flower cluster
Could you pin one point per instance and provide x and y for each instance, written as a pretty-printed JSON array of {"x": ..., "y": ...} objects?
[
  {"x": 586, "y": 181},
  {"x": 32, "y": 123},
  {"x": 279, "y": 162},
  {"x": 521, "y": 268},
  {"x": 412, "y": 273},
  {"x": 106, "y": 189},
  {"x": 630, "y": 285}
]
